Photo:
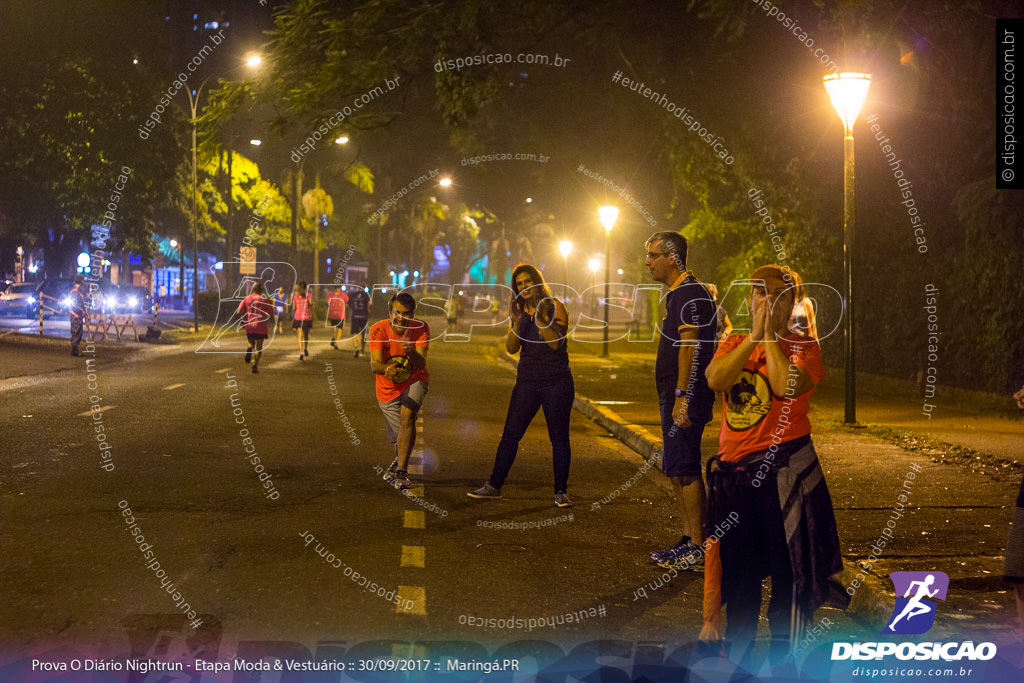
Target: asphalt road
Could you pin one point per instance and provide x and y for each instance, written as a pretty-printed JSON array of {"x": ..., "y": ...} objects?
[{"x": 73, "y": 575}]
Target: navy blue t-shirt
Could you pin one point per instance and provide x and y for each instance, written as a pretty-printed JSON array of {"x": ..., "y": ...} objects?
[
  {"x": 688, "y": 305},
  {"x": 359, "y": 304}
]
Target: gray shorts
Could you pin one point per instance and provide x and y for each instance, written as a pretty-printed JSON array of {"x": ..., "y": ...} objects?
[{"x": 412, "y": 397}]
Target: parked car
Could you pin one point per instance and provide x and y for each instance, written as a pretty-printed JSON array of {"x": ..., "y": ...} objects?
[
  {"x": 134, "y": 299},
  {"x": 21, "y": 299},
  {"x": 55, "y": 297},
  {"x": 106, "y": 298}
]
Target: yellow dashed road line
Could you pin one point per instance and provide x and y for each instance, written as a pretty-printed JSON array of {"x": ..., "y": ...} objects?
[
  {"x": 415, "y": 519},
  {"x": 414, "y": 556}
]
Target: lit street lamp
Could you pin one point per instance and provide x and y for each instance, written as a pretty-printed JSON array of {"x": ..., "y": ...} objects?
[
  {"x": 608, "y": 214},
  {"x": 253, "y": 61},
  {"x": 848, "y": 92},
  {"x": 181, "y": 274},
  {"x": 565, "y": 247},
  {"x": 594, "y": 264}
]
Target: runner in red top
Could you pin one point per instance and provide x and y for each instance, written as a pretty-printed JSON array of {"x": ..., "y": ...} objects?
[
  {"x": 257, "y": 310},
  {"x": 398, "y": 356},
  {"x": 302, "y": 321},
  {"x": 336, "y": 303}
]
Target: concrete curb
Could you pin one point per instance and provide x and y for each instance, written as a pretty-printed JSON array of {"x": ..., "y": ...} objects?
[{"x": 870, "y": 605}]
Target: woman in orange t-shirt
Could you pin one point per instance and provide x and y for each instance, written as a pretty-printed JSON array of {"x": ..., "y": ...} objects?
[
  {"x": 302, "y": 320},
  {"x": 766, "y": 456}
]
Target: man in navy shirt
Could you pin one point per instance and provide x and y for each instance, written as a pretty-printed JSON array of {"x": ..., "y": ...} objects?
[
  {"x": 359, "y": 313},
  {"x": 685, "y": 348}
]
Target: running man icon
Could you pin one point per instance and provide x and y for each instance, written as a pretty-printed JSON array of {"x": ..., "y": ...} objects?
[{"x": 912, "y": 609}]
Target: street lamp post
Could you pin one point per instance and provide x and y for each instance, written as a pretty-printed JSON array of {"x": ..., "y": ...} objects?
[
  {"x": 193, "y": 103},
  {"x": 847, "y": 92},
  {"x": 608, "y": 214},
  {"x": 181, "y": 271},
  {"x": 565, "y": 247},
  {"x": 253, "y": 61}
]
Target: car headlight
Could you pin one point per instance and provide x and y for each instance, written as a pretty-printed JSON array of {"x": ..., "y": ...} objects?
[{"x": 31, "y": 299}]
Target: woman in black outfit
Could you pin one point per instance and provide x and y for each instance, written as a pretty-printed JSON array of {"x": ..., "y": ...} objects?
[{"x": 537, "y": 329}]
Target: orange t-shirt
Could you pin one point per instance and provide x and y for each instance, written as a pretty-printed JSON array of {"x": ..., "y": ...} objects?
[
  {"x": 753, "y": 418},
  {"x": 383, "y": 338}
]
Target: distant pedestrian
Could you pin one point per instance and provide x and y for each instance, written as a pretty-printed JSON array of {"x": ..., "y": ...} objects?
[
  {"x": 280, "y": 307},
  {"x": 76, "y": 313},
  {"x": 1013, "y": 565},
  {"x": 537, "y": 331},
  {"x": 685, "y": 348},
  {"x": 302, "y": 318},
  {"x": 767, "y": 478},
  {"x": 359, "y": 313},
  {"x": 723, "y": 326},
  {"x": 452, "y": 313},
  {"x": 398, "y": 356},
  {"x": 258, "y": 311},
  {"x": 336, "y": 302}
]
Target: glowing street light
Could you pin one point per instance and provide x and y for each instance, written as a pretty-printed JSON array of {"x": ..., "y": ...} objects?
[
  {"x": 608, "y": 215},
  {"x": 341, "y": 140},
  {"x": 445, "y": 182},
  {"x": 181, "y": 269},
  {"x": 565, "y": 247},
  {"x": 848, "y": 92},
  {"x": 253, "y": 61}
]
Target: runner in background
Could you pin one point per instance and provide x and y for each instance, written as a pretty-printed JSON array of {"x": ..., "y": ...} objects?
[
  {"x": 258, "y": 311},
  {"x": 280, "y": 308},
  {"x": 302, "y": 319},
  {"x": 359, "y": 313},
  {"x": 336, "y": 302}
]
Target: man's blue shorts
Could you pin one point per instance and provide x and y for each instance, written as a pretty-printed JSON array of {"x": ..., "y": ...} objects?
[{"x": 681, "y": 457}]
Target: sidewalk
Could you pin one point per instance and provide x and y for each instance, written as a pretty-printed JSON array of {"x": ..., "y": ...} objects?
[{"x": 956, "y": 516}]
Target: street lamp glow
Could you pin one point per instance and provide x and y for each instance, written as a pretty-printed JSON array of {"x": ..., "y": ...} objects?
[
  {"x": 608, "y": 215},
  {"x": 253, "y": 61},
  {"x": 255, "y": 142},
  {"x": 445, "y": 182},
  {"x": 174, "y": 243},
  {"x": 565, "y": 248},
  {"x": 848, "y": 91},
  {"x": 341, "y": 140},
  {"x": 594, "y": 264}
]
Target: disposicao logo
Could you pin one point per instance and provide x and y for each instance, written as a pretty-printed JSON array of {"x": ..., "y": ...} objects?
[{"x": 914, "y": 613}]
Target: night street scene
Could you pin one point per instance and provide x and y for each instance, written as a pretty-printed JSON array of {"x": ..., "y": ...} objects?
[{"x": 511, "y": 341}]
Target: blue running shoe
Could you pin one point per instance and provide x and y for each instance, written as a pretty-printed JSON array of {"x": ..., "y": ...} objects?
[
  {"x": 665, "y": 555},
  {"x": 691, "y": 558}
]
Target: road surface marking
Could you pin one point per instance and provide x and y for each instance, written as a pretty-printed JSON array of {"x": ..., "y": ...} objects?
[
  {"x": 173, "y": 386},
  {"x": 416, "y": 490},
  {"x": 418, "y": 596},
  {"x": 101, "y": 410},
  {"x": 415, "y": 519},
  {"x": 413, "y": 556},
  {"x": 415, "y": 465},
  {"x": 222, "y": 370}
]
